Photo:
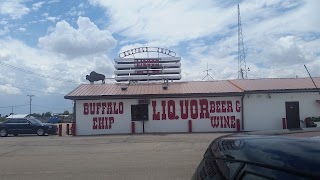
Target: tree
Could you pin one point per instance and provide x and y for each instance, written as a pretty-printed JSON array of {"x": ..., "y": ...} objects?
[
  {"x": 66, "y": 112},
  {"x": 47, "y": 114},
  {"x": 36, "y": 115}
]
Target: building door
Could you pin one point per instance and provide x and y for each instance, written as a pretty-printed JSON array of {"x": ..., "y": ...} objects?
[
  {"x": 140, "y": 113},
  {"x": 292, "y": 115}
]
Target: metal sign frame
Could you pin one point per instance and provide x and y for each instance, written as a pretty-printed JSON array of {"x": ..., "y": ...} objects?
[{"x": 147, "y": 50}]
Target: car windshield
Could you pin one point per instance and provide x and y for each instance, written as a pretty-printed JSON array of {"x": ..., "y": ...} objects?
[{"x": 35, "y": 121}]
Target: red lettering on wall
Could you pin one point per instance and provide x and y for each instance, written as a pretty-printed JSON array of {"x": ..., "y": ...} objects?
[
  {"x": 204, "y": 113},
  {"x": 226, "y": 122},
  {"x": 102, "y": 108},
  {"x": 223, "y": 121},
  {"x": 120, "y": 107},
  {"x": 218, "y": 107},
  {"x": 94, "y": 120},
  {"x": 212, "y": 107},
  {"x": 155, "y": 115},
  {"x": 115, "y": 110},
  {"x": 109, "y": 108},
  {"x": 111, "y": 121},
  {"x": 171, "y": 110},
  {"x": 229, "y": 106},
  {"x": 106, "y": 123},
  {"x": 92, "y": 108},
  {"x": 163, "y": 104},
  {"x": 85, "y": 109},
  {"x": 184, "y": 115},
  {"x": 238, "y": 106},
  {"x": 233, "y": 122},
  {"x": 214, "y": 121},
  {"x": 98, "y": 108},
  {"x": 194, "y": 109},
  {"x": 223, "y": 106},
  {"x": 104, "y": 105},
  {"x": 100, "y": 122}
]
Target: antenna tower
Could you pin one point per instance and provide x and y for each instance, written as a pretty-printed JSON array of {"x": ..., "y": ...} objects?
[
  {"x": 208, "y": 75},
  {"x": 242, "y": 69}
]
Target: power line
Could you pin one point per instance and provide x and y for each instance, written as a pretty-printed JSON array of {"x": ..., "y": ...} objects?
[
  {"x": 37, "y": 90},
  {"x": 230, "y": 75},
  {"x": 36, "y": 74},
  {"x": 14, "y": 106},
  {"x": 51, "y": 107}
]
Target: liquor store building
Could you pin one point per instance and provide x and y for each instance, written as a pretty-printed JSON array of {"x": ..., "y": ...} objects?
[{"x": 195, "y": 106}]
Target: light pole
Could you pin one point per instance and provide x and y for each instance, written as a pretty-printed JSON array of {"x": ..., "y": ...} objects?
[{"x": 30, "y": 96}]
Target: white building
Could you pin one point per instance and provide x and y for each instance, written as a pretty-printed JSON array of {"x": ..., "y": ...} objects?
[{"x": 206, "y": 106}]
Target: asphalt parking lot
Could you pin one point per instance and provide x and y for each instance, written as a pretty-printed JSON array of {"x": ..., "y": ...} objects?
[{"x": 156, "y": 156}]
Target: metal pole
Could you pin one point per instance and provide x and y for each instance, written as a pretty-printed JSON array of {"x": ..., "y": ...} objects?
[
  {"x": 311, "y": 77},
  {"x": 30, "y": 96}
]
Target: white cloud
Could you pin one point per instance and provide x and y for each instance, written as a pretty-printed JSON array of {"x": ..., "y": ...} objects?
[
  {"x": 53, "y": 1},
  {"x": 49, "y": 18},
  {"x": 37, "y": 5},
  {"x": 22, "y": 29},
  {"x": 18, "y": 54},
  {"x": 278, "y": 34},
  {"x": 52, "y": 19},
  {"x": 86, "y": 40},
  {"x": 166, "y": 21},
  {"x": 74, "y": 12},
  {"x": 15, "y": 9},
  {"x": 9, "y": 89},
  {"x": 3, "y": 22},
  {"x": 4, "y": 31}
]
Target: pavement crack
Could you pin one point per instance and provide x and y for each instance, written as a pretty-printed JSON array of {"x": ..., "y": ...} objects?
[{"x": 15, "y": 150}]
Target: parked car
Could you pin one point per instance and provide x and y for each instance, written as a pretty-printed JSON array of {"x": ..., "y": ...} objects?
[
  {"x": 18, "y": 126},
  {"x": 260, "y": 157}
]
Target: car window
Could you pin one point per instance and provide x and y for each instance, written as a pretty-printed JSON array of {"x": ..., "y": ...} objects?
[
  {"x": 11, "y": 121},
  {"x": 19, "y": 121},
  {"x": 35, "y": 121},
  {"x": 24, "y": 121}
]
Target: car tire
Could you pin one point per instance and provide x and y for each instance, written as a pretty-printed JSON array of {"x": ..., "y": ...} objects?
[
  {"x": 16, "y": 134},
  {"x": 40, "y": 132},
  {"x": 3, "y": 132}
]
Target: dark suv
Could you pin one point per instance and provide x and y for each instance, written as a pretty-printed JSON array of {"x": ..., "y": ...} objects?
[
  {"x": 26, "y": 126},
  {"x": 260, "y": 157}
]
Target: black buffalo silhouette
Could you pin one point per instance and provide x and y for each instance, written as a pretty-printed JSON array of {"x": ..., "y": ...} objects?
[{"x": 95, "y": 77}]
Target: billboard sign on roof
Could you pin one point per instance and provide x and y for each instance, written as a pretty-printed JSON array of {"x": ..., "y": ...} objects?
[{"x": 147, "y": 68}]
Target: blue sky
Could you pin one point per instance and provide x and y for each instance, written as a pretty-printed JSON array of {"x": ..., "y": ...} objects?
[{"x": 67, "y": 39}]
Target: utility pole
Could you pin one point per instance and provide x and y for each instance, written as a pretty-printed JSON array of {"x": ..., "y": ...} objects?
[
  {"x": 30, "y": 96},
  {"x": 242, "y": 69}
]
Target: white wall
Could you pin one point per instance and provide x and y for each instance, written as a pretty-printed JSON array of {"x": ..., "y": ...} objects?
[
  {"x": 122, "y": 122},
  {"x": 264, "y": 113},
  {"x": 198, "y": 124}
]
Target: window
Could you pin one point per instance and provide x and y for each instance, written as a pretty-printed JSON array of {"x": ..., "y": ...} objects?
[
  {"x": 139, "y": 112},
  {"x": 12, "y": 121}
]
